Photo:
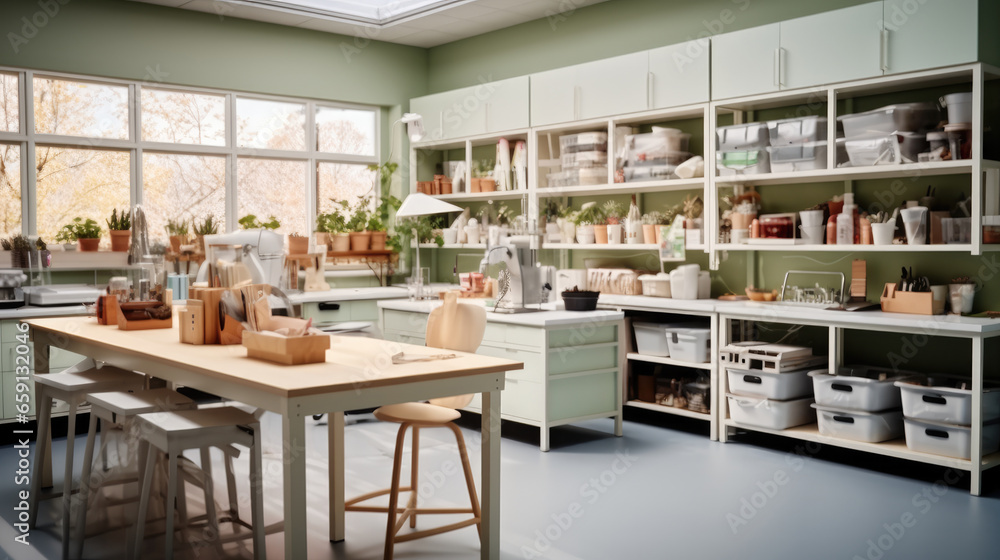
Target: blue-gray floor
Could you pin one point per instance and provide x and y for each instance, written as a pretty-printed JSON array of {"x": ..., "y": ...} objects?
[{"x": 662, "y": 491}]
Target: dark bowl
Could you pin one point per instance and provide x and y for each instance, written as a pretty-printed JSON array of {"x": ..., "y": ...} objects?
[{"x": 580, "y": 301}]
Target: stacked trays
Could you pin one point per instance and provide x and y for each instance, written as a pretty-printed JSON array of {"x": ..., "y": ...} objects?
[
  {"x": 769, "y": 384},
  {"x": 655, "y": 155},
  {"x": 797, "y": 144},
  {"x": 889, "y": 135},
  {"x": 742, "y": 149},
  {"x": 938, "y": 417},
  {"x": 860, "y": 404},
  {"x": 584, "y": 160}
]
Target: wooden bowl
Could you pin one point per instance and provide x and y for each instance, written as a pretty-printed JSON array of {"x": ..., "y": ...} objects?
[{"x": 761, "y": 295}]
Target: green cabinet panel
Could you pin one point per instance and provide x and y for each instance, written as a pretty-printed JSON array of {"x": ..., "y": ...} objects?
[
  {"x": 572, "y": 397},
  {"x": 534, "y": 362},
  {"x": 584, "y": 358},
  {"x": 581, "y": 335}
]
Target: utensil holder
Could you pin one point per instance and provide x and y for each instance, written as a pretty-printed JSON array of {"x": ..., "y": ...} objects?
[
  {"x": 287, "y": 350},
  {"x": 917, "y": 303}
]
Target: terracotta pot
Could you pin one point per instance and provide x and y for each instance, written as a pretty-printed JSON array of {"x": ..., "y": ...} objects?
[
  {"x": 741, "y": 221},
  {"x": 378, "y": 240},
  {"x": 601, "y": 234},
  {"x": 475, "y": 184},
  {"x": 488, "y": 185},
  {"x": 340, "y": 242},
  {"x": 175, "y": 242},
  {"x": 298, "y": 245},
  {"x": 446, "y": 187},
  {"x": 120, "y": 239},
  {"x": 648, "y": 234},
  {"x": 361, "y": 240},
  {"x": 88, "y": 244},
  {"x": 322, "y": 238}
]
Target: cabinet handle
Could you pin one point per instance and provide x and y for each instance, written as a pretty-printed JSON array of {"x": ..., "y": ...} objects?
[
  {"x": 649, "y": 90},
  {"x": 776, "y": 65},
  {"x": 781, "y": 66},
  {"x": 329, "y": 306},
  {"x": 883, "y": 53}
]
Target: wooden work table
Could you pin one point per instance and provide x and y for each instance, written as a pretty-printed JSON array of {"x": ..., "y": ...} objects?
[{"x": 358, "y": 373}]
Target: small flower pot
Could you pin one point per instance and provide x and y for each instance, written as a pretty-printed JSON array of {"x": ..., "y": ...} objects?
[
  {"x": 601, "y": 234},
  {"x": 649, "y": 233},
  {"x": 120, "y": 240},
  {"x": 175, "y": 243},
  {"x": 614, "y": 234},
  {"x": 361, "y": 240},
  {"x": 89, "y": 244},
  {"x": 298, "y": 245},
  {"x": 378, "y": 240},
  {"x": 323, "y": 238},
  {"x": 340, "y": 242},
  {"x": 585, "y": 235}
]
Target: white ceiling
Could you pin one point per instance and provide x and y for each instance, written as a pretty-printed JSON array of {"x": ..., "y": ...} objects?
[{"x": 432, "y": 23}]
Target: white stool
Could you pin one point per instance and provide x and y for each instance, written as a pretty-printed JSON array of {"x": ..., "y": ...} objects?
[
  {"x": 173, "y": 433},
  {"x": 118, "y": 408},
  {"x": 71, "y": 386}
]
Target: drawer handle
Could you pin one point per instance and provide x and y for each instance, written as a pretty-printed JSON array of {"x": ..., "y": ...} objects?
[
  {"x": 329, "y": 306},
  {"x": 940, "y": 434},
  {"x": 752, "y": 379},
  {"x": 844, "y": 419},
  {"x": 935, "y": 400},
  {"x": 510, "y": 350},
  {"x": 842, "y": 387}
]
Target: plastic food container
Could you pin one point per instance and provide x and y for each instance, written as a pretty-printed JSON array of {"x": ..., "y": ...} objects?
[
  {"x": 797, "y": 131},
  {"x": 676, "y": 139},
  {"x": 798, "y": 157},
  {"x": 583, "y": 142},
  {"x": 911, "y": 145},
  {"x": 651, "y": 338},
  {"x": 947, "y": 439},
  {"x": 856, "y": 393},
  {"x": 857, "y": 425},
  {"x": 649, "y": 173},
  {"x": 781, "y": 386},
  {"x": 956, "y": 230},
  {"x": 778, "y": 226},
  {"x": 903, "y": 117},
  {"x": 699, "y": 397},
  {"x": 742, "y": 162},
  {"x": 657, "y": 148},
  {"x": 959, "y": 140},
  {"x": 946, "y": 403},
  {"x": 582, "y": 176},
  {"x": 577, "y": 160},
  {"x": 883, "y": 150},
  {"x": 959, "y": 107},
  {"x": 689, "y": 344},
  {"x": 747, "y": 136},
  {"x": 655, "y": 285},
  {"x": 770, "y": 413}
]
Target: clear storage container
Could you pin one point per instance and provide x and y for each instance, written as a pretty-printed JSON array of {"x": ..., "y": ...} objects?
[
  {"x": 583, "y": 142},
  {"x": 770, "y": 413},
  {"x": 856, "y": 393},
  {"x": 582, "y": 176},
  {"x": 759, "y": 383},
  {"x": 649, "y": 173},
  {"x": 956, "y": 230},
  {"x": 579, "y": 160},
  {"x": 902, "y": 117},
  {"x": 798, "y": 157},
  {"x": 797, "y": 131},
  {"x": 742, "y": 162},
  {"x": 655, "y": 285},
  {"x": 946, "y": 403},
  {"x": 884, "y": 150},
  {"x": 656, "y": 148},
  {"x": 858, "y": 425},
  {"x": 651, "y": 338},
  {"x": 689, "y": 344},
  {"x": 747, "y": 136},
  {"x": 947, "y": 439}
]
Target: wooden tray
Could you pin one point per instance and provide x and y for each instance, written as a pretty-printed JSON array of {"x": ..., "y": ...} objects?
[
  {"x": 127, "y": 324},
  {"x": 917, "y": 303},
  {"x": 290, "y": 351}
]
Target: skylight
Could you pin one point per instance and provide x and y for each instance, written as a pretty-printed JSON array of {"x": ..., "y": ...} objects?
[{"x": 378, "y": 12}]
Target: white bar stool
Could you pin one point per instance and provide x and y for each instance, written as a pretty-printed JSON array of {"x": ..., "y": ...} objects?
[
  {"x": 117, "y": 408},
  {"x": 72, "y": 386},
  {"x": 176, "y": 431}
]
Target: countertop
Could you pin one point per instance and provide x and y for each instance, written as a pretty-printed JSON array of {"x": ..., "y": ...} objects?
[
  {"x": 30, "y": 311},
  {"x": 658, "y": 303},
  {"x": 540, "y": 319},
  {"x": 349, "y": 294}
]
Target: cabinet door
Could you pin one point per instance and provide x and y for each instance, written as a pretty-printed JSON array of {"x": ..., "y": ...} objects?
[
  {"x": 430, "y": 107},
  {"x": 831, "y": 47},
  {"x": 507, "y": 104},
  {"x": 678, "y": 74},
  {"x": 553, "y": 96},
  {"x": 929, "y": 33},
  {"x": 464, "y": 112},
  {"x": 744, "y": 62},
  {"x": 613, "y": 86}
]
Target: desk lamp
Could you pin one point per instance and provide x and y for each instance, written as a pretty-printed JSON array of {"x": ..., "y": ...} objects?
[{"x": 419, "y": 204}]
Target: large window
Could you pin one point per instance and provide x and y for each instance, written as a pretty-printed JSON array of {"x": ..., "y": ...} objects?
[{"x": 184, "y": 153}]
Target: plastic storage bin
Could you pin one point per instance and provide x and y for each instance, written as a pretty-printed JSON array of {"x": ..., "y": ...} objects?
[
  {"x": 855, "y": 393},
  {"x": 689, "y": 344},
  {"x": 747, "y": 136},
  {"x": 742, "y": 162},
  {"x": 699, "y": 397},
  {"x": 649, "y": 173},
  {"x": 857, "y": 425},
  {"x": 798, "y": 157},
  {"x": 758, "y": 383},
  {"x": 651, "y": 338},
  {"x": 946, "y": 404},
  {"x": 655, "y": 285},
  {"x": 903, "y": 117},
  {"x": 769, "y": 413},
  {"x": 799, "y": 130},
  {"x": 956, "y": 230},
  {"x": 583, "y": 142},
  {"x": 656, "y": 148},
  {"x": 582, "y": 176},
  {"x": 578, "y": 160},
  {"x": 883, "y": 150},
  {"x": 947, "y": 439}
]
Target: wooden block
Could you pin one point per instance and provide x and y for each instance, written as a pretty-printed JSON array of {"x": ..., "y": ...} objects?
[
  {"x": 293, "y": 350},
  {"x": 192, "y": 322},
  {"x": 107, "y": 310}
]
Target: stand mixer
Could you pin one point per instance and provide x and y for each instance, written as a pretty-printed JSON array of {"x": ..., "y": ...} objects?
[
  {"x": 522, "y": 284},
  {"x": 11, "y": 295}
]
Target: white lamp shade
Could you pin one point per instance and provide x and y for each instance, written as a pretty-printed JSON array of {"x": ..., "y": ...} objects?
[
  {"x": 414, "y": 126},
  {"x": 419, "y": 204}
]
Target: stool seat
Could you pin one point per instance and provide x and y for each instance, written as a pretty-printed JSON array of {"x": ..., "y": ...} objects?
[
  {"x": 130, "y": 404},
  {"x": 417, "y": 414},
  {"x": 88, "y": 381}
]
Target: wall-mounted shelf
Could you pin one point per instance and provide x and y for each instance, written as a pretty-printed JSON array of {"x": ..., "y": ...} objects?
[
  {"x": 623, "y": 188},
  {"x": 852, "y": 173},
  {"x": 668, "y": 361},
  {"x": 670, "y": 410}
]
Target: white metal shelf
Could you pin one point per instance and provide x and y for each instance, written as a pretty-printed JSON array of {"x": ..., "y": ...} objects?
[
  {"x": 667, "y": 185},
  {"x": 483, "y": 196},
  {"x": 453, "y": 246},
  {"x": 787, "y": 247},
  {"x": 670, "y": 410},
  {"x": 707, "y": 366},
  {"x": 601, "y": 246},
  {"x": 851, "y": 173}
]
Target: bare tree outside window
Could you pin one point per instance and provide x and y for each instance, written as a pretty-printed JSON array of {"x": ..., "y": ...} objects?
[
  {"x": 273, "y": 187},
  {"x": 182, "y": 188},
  {"x": 79, "y": 182},
  {"x": 9, "y": 103},
  {"x": 10, "y": 189},
  {"x": 80, "y": 109},
  {"x": 183, "y": 118},
  {"x": 272, "y": 125}
]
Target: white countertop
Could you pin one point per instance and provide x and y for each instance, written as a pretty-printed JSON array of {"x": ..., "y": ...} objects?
[
  {"x": 535, "y": 319},
  {"x": 31, "y": 311},
  {"x": 666, "y": 304},
  {"x": 349, "y": 294}
]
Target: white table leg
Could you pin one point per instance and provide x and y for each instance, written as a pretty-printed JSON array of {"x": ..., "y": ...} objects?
[
  {"x": 335, "y": 435},
  {"x": 294, "y": 459},
  {"x": 490, "y": 532}
]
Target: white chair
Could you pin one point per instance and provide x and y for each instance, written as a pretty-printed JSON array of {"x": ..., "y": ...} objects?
[
  {"x": 174, "y": 432},
  {"x": 452, "y": 326}
]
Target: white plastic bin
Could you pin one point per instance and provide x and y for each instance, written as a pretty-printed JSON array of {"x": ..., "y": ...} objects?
[
  {"x": 902, "y": 117},
  {"x": 651, "y": 338},
  {"x": 577, "y": 160},
  {"x": 747, "y": 136},
  {"x": 583, "y": 142},
  {"x": 582, "y": 176},
  {"x": 946, "y": 404},
  {"x": 759, "y": 383},
  {"x": 959, "y": 107},
  {"x": 657, "y": 148},
  {"x": 769, "y": 413},
  {"x": 655, "y": 285},
  {"x": 798, "y": 157},
  {"x": 799, "y": 130},
  {"x": 649, "y": 173},
  {"x": 855, "y": 393},
  {"x": 884, "y": 150},
  {"x": 947, "y": 439},
  {"x": 857, "y": 425},
  {"x": 742, "y": 162},
  {"x": 689, "y": 344}
]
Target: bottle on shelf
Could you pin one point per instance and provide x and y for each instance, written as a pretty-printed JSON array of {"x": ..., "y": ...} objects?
[
  {"x": 633, "y": 224},
  {"x": 845, "y": 221}
]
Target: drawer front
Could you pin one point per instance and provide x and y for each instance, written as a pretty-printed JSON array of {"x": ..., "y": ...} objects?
[
  {"x": 9, "y": 390},
  {"x": 495, "y": 333},
  {"x": 582, "y": 335},
  {"x": 9, "y": 353},
  {"x": 9, "y": 331},
  {"x": 534, "y": 364},
  {"x": 571, "y": 397},
  {"x": 312, "y": 311},
  {"x": 524, "y": 336},
  {"x": 586, "y": 358},
  {"x": 401, "y": 321},
  {"x": 365, "y": 310},
  {"x": 520, "y": 399}
]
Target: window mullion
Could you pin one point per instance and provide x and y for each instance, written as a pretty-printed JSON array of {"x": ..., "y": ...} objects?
[
  {"x": 312, "y": 169},
  {"x": 135, "y": 134},
  {"x": 29, "y": 195},
  {"x": 231, "y": 163}
]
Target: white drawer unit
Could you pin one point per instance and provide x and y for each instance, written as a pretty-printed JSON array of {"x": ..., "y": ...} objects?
[
  {"x": 948, "y": 439},
  {"x": 781, "y": 386},
  {"x": 770, "y": 413},
  {"x": 946, "y": 404},
  {"x": 857, "y": 425}
]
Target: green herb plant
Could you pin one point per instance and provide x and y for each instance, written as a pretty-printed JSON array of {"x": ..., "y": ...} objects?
[
  {"x": 179, "y": 227},
  {"x": 79, "y": 229},
  {"x": 250, "y": 221},
  {"x": 119, "y": 222},
  {"x": 208, "y": 226}
]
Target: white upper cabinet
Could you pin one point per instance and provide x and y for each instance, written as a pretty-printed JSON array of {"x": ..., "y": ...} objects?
[
  {"x": 921, "y": 34},
  {"x": 471, "y": 111},
  {"x": 745, "y": 62},
  {"x": 602, "y": 88},
  {"x": 831, "y": 47},
  {"x": 507, "y": 104},
  {"x": 553, "y": 96},
  {"x": 678, "y": 75}
]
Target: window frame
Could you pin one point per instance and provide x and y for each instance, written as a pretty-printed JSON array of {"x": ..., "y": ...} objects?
[{"x": 29, "y": 140}]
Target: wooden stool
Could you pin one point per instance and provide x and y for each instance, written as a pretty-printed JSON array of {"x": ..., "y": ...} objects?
[
  {"x": 176, "y": 431},
  {"x": 71, "y": 386},
  {"x": 118, "y": 408}
]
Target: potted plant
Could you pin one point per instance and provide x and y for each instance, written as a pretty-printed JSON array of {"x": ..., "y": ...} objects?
[
  {"x": 693, "y": 209},
  {"x": 361, "y": 238},
  {"x": 298, "y": 244},
  {"x": 331, "y": 228},
  {"x": 86, "y": 233},
  {"x": 208, "y": 226},
  {"x": 588, "y": 220},
  {"x": 614, "y": 213},
  {"x": 119, "y": 226},
  {"x": 18, "y": 245},
  {"x": 961, "y": 293},
  {"x": 379, "y": 232},
  {"x": 650, "y": 223},
  {"x": 178, "y": 232},
  {"x": 250, "y": 221}
]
